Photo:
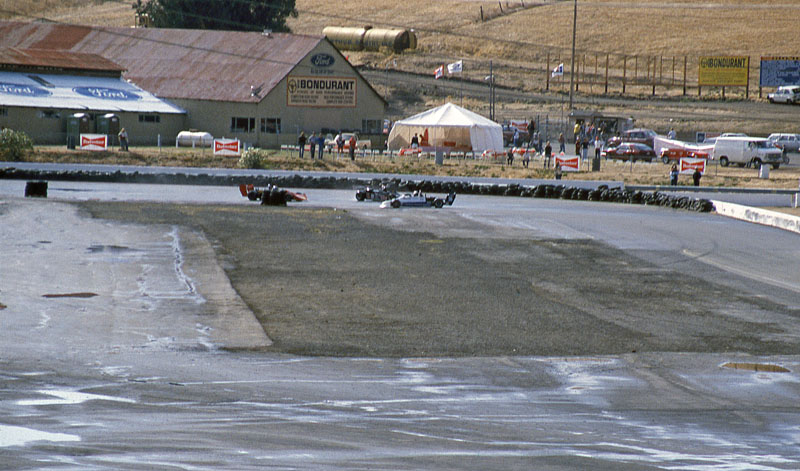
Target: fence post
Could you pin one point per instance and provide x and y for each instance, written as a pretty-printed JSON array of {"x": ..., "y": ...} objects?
[
  {"x": 547, "y": 73},
  {"x": 624, "y": 72},
  {"x": 654, "y": 72},
  {"x": 747, "y": 87},
  {"x": 606, "y": 84},
  {"x": 685, "y": 60}
]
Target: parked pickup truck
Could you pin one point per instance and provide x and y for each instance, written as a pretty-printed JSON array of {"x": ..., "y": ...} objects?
[{"x": 330, "y": 145}]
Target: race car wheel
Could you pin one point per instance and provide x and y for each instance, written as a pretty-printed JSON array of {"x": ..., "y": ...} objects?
[
  {"x": 775, "y": 166},
  {"x": 360, "y": 196},
  {"x": 395, "y": 204},
  {"x": 438, "y": 203}
]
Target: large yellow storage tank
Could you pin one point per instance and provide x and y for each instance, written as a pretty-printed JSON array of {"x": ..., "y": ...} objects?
[
  {"x": 346, "y": 38},
  {"x": 395, "y": 39}
]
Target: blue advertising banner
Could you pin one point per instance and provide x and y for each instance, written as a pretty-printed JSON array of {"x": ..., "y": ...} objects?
[{"x": 778, "y": 71}]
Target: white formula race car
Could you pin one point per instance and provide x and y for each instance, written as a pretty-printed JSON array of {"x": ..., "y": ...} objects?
[{"x": 419, "y": 200}]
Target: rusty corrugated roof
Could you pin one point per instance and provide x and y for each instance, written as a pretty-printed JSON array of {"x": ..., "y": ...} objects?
[
  {"x": 48, "y": 58},
  {"x": 176, "y": 63}
]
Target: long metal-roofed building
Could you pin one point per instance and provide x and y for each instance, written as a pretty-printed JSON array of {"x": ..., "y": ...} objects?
[
  {"x": 41, "y": 89},
  {"x": 262, "y": 88}
]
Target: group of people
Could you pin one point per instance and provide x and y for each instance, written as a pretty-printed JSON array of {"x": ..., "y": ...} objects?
[
  {"x": 673, "y": 176},
  {"x": 318, "y": 141}
]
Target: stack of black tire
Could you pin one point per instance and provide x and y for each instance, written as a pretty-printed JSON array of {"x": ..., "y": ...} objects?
[{"x": 601, "y": 193}]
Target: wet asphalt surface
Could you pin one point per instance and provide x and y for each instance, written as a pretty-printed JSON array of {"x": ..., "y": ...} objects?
[{"x": 522, "y": 334}]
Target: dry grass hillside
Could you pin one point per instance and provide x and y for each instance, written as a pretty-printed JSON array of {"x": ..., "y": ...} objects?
[
  {"x": 675, "y": 27},
  {"x": 524, "y": 38}
]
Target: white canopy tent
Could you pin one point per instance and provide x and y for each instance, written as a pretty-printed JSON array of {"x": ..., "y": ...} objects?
[{"x": 448, "y": 127}]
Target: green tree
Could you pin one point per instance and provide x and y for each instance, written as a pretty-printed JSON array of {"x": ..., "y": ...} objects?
[
  {"x": 239, "y": 15},
  {"x": 14, "y": 145}
]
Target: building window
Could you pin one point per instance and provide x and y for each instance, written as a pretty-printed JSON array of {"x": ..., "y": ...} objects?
[
  {"x": 3, "y": 111},
  {"x": 243, "y": 124},
  {"x": 271, "y": 125},
  {"x": 371, "y": 126},
  {"x": 149, "y": 118},
  {"x": 46, "y": 114}
]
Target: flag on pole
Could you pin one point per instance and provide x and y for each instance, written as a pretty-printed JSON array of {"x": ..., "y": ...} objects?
[
  {"x": 439, "y": 72},
  {"x": 455, "y": 67},
  {"x": 558, "y": 71}
]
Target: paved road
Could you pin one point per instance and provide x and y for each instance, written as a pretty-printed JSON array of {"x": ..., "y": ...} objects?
[{"x": 112, "y": 357}]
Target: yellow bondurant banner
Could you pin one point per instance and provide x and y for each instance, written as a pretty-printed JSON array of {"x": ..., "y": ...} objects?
[
  {"x": 334, "y": 92},
  {"x": 721, "y": 71}
]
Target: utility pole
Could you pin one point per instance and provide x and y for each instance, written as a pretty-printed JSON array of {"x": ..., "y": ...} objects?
[{"x": 572, "y": 61}]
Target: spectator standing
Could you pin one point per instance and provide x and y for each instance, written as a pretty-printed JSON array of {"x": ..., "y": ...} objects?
[
  {"x": 671, "y": 134},
  {"x": 585, "y": 148},
  {"x": 576, "y": 131},
  {"x": 312, "y": 144},
  {"x": 301, "y": 143},
  {"x": 516, "y": 137},
  {"x": 561, "y": 143},
  {"x": 352, "y": 143},
  {"x": 577, "y": 146},
  {"x": 510, "y": 156},
  {"x": 548, "y": 152},
  {"x": 598, "y": 146},
  {"x": 339, "y": 141},
  {"x": 415, "y": 141},
  {"x": 526, "y": 157},
  {"x": 123, "y": 139},
  {"x": 321, "y": 144},
  {"x": 673, "y": 175},
  {"x": 557, "y": 173},
  {"x": 696, "y": 177}
]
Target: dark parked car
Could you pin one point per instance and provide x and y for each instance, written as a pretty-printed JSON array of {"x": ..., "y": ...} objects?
[
  {"x": 508, "y": 135},
  {"x": 629, "y": 151},
  {"x": 642, "y": 136}
]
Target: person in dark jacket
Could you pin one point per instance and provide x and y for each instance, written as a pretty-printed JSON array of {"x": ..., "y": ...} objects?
[{"x": 301, "y": 143}]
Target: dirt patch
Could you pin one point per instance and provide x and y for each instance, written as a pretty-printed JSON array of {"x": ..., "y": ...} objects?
[{"x": 322, "y": 282}]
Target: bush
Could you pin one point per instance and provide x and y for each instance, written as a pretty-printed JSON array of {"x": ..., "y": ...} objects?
[
  {"x": 14, "y": 145},
  {"x": 252, "y": 158}
]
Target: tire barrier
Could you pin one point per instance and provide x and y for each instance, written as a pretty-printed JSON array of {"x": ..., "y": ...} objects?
[{"x": 600, "y": 194}]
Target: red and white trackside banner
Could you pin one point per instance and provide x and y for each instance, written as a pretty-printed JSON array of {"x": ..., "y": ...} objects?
[
  {"x": 568, "y": 164},
  {"x": 689, "y": 165},
  {"x": 94, "y": 142},
  {"x": 227, "y": 147}
]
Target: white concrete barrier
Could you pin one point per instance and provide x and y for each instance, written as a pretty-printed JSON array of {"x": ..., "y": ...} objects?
[{"x": 758, "y": 215}]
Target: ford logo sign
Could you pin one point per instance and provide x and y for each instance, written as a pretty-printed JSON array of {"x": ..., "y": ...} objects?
[
  {"x": 322, "y": 60},
  {"x": 104, "y": 93},
  {"x": 23, "y": 90}
]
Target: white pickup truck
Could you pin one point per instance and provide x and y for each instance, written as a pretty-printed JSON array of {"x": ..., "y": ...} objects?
[{"x": 330, "y": 145}]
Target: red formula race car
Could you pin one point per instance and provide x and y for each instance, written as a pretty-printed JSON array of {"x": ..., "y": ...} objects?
[{"x": 270, "y": 195}]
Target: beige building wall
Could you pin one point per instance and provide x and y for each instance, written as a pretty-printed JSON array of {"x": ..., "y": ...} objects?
[{"x": 49, "y": 126}]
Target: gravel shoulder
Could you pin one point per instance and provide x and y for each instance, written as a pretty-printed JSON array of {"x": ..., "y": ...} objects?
[{"x": 323, "y": 282}]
